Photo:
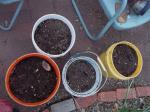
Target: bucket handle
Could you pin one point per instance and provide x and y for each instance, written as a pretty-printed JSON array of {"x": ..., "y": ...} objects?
[
  {"x": 99, "y": 62},
  {"x": 104, "y": 69}
]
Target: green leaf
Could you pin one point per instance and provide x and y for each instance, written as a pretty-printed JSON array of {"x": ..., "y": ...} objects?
[{"x": 124, "y": 110}]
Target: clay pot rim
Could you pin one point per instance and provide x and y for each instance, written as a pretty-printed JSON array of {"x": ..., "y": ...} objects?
[{"x": 11, "y": 68}]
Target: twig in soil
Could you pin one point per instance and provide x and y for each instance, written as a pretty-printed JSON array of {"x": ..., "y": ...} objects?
[{"x": 84, "y": 73}]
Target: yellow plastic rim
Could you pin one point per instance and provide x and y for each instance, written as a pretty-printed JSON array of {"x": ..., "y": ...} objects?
[{"x": 111, "y": 66}]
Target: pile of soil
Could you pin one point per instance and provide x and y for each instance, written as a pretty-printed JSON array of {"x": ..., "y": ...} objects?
[
  {"x": 53, "y": 36},
  {"x": 31, "y": 82},
  {"x": 81, "y": 76},
  {"x": 125, "y": 59}
]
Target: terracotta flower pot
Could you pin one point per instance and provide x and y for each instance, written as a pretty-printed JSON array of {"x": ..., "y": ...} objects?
[{"x": 13, "y": 65}]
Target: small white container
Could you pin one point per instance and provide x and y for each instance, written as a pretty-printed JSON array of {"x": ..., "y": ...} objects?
[
  {"x": 97, "y": 85},
  {"x": 57, "y": 17}
]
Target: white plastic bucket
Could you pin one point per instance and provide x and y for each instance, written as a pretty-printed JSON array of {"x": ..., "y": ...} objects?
[
  {"x": 97, "y": 83},
  {"x": 58, "y": 17},
  {"x": 99, "y": 70}
]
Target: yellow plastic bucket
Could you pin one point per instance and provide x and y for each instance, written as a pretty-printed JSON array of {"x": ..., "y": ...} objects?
[{"x": 107, "y": 60}]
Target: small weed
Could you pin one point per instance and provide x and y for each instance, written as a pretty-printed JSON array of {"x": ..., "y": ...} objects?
[{"x": 134, "y": 110}]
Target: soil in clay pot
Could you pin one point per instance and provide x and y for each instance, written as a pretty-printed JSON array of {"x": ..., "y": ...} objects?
[
  {"x": 81, "y": 76},
  {"x": 32, "y": 80},
  {"x": 53, "y": 36},
  {"x": 125, "y": 59}
]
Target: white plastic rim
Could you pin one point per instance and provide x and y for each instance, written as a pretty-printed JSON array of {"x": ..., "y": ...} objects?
[
  {"x": 97, "y": 83},
  {"x": 57, "y": 17}
]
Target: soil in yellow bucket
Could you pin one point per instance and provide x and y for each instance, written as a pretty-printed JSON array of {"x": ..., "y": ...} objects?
[{"x": 125, "y": 59}]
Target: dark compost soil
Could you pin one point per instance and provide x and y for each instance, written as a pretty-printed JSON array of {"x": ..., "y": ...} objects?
[
  {"x": 30, "y": 82},
  {"x": 53, "y": 36},
  {"x": 125, "y": 59},
  {"x": 81, "y": 76}
]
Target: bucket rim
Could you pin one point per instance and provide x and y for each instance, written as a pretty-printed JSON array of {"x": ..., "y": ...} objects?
[
  {"x": 112, "y": 66},
  {"x": 98, "y": 79}
]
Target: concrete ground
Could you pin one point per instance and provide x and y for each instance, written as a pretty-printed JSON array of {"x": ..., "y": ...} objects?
[{"x": 18, "y": 42}]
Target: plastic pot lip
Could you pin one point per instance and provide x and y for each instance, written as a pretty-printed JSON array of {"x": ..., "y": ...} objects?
[
  {"x": 11, "y": 68},
  {"x": 57, "y": 17},
  {"x": 115, "y": 71}
]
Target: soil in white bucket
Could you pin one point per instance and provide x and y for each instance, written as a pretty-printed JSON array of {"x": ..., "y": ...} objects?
[
  {"x": 81, "y": 76},
  {"x": 53, "y": 36}
]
